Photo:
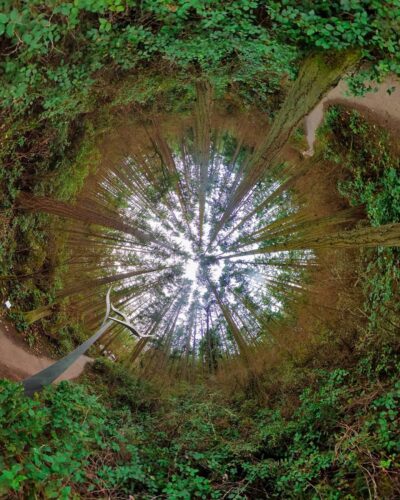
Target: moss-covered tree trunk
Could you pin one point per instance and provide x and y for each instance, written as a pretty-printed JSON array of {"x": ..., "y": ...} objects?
[{"x": 318, "y": 74}]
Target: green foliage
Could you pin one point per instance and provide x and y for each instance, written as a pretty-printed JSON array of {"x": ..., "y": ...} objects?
[
  {"x": 371, "y": 25},
  {"x": 372, "y": 180},
  {"x": 195, "y": 444},
  {"x": 374, "y": 169},
  {"x": 122, "y": 389},
  {"x": 57, "y": 51},
  {"x": 44, "y": 442},
  {"x": 335, "y": 438},
  {"x": 112, "y": 34}
]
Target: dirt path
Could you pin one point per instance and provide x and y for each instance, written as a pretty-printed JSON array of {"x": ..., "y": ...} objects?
[
  {"x": 381, "y": 106},
  {"x": 17, "y": 363}
]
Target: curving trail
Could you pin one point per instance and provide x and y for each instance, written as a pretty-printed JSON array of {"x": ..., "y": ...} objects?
[
  {"x": 384, "y": 108},
  {"x": 17, "y": 363}
]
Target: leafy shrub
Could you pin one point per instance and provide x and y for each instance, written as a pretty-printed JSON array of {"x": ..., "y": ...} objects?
[
  {"x": 196, "y": 444},
  {"x": 121, "y": 388},
  {"x": 373, "y": 180},
  {"x": 47, "y": 443}
]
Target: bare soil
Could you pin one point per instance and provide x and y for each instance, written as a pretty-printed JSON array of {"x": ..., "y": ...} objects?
[{"x": 17, "y": 363}]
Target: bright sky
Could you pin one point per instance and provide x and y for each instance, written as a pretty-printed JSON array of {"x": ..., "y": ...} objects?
[
  {"x": 176, "y": 232},
  {"x": 191, "y": 268}
]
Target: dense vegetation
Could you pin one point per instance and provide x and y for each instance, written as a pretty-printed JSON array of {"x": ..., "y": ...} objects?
[
  {"x": 155, "y": 147},
  {"x": 339, "y": 440}
]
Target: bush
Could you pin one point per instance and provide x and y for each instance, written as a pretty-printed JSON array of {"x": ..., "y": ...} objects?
[{"x": 46, "y": 443}]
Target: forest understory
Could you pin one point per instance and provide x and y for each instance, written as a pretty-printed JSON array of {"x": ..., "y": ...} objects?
[{"x": 165, "y": 175}]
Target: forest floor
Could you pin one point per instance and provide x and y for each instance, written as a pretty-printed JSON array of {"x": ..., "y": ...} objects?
[{"x": 17, "y": 361}]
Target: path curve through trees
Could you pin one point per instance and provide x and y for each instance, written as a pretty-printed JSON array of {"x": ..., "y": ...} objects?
[
  {"x": 383, "y": 107},
  {"x": 17, "y": 363}
]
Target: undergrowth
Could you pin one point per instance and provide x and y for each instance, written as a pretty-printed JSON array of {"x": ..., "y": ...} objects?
[
  {"x": 126, "y": 438},
  {"x": 372, "y": 179}
]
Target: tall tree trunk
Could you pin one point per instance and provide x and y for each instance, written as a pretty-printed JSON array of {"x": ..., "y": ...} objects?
[
  {"x": 55, "y": 207},
  {"x": 318, "y": 74},
  {"x": 366, "y": 237},
  {"x": 202, "y": 131}
]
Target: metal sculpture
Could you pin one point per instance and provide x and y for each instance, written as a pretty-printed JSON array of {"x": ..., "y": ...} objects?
[
  {"x": 127, "y": 319},
  {"x": 36, "y": 382}
]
